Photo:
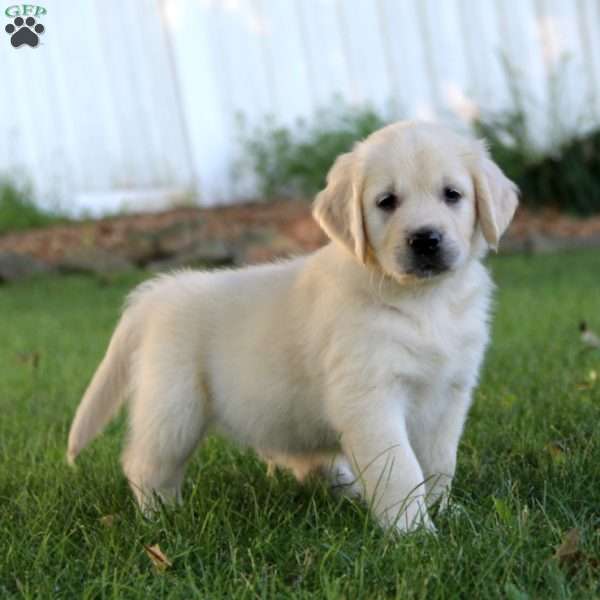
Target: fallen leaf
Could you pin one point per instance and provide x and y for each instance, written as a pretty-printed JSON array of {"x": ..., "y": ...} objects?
[
  {"x": 569, "y": 547},
  {"x": 108, "y": 520},
  {"x": 29, "y": 358},
  {"x": 570, "y": 555},
  {"x": 557, "y": 452},
  {"x": 159, "y": 560}
]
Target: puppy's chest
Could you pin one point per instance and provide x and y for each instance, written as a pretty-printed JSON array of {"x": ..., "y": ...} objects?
[{"x": 428, "y": 347}]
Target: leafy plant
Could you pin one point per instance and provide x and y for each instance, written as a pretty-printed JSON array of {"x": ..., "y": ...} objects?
[
  {"x": 18, "y": 211},
  {"x": 565, "y": 174},
  {"x": 293, "y": 161},
  {"x": 566, "y": 177}
]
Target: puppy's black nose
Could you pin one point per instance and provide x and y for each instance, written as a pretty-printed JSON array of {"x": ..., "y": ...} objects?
[{"x": 425, "y": 241}]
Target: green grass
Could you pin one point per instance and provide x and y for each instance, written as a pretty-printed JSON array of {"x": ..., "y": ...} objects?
[{"x": 243, "y": 535}]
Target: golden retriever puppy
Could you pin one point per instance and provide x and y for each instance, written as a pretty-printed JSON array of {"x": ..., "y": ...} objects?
[{"x": 358, "y": 360}]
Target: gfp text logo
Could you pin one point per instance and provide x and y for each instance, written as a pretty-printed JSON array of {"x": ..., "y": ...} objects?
[{"x": 24, "y": 31}]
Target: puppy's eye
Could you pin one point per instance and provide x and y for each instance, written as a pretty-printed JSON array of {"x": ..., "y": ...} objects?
[
  {"x": 451, "y": 195},
  {"x": 387, "y": 202}
]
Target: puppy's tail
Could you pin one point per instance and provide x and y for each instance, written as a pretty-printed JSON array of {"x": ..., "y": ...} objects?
[{"x": 106, "y": 392}]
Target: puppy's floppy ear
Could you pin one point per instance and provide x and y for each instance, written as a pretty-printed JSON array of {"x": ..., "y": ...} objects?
[
  {"x": 496, "y": 198},
  {"x": 337, "y": 208}
]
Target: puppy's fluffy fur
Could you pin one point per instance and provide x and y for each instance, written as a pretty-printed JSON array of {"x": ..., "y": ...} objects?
[{"x": 357, "y": 361}]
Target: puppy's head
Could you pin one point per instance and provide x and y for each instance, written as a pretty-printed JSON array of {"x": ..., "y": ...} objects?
[{"x": 417, "y": 200}]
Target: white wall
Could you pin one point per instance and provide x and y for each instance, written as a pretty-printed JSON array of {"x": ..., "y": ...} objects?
[
  {"x": 134, "y": 101},
  {"x": 94, "y": 107}
]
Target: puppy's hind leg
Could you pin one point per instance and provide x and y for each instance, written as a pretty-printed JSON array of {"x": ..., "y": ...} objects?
[
  {"x": 334, "y": 468},
  {"x": 167, "y": 421}
]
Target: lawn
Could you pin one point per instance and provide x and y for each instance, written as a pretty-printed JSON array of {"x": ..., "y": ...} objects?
[{"x": 529, "y": 471}]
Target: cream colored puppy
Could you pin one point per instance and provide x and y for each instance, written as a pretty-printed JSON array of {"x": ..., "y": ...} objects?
[{"x": 367, "y": 349}]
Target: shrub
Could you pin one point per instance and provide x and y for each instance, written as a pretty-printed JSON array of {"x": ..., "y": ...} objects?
[
  {"x": 566, "y": 177},
  {"x": 292, "y": 162},
  {"x": 566, "y": 173},
  {"x": 18, "y": 211}
]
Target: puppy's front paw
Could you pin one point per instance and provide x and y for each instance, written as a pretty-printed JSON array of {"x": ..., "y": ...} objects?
[
  {"x": 342, "y": 480},
  {"x": 424, "y": 523},
  {"x": 412, "y": 516}
]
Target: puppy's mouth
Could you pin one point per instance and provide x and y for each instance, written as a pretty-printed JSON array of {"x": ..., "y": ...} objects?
[
  {"x": 427, "y": 270},
  {"x": 427, "y": 267}
]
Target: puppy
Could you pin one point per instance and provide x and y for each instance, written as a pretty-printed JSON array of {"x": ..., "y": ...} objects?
[{"x": 357, "y": 361}]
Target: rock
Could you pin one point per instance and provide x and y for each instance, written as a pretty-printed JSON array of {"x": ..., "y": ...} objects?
[
  {"x": 538, "y": 243},
  {"x": 176, "y": 238},
  {"x": 206, "y": 254},
  {"x": 93, "y": 260},
  {"x": 139, "y": 248},
  {"x": 512, "y": 245},
  {"x": 589, "y": 241},
  {"x": 15, "y": 267},
  {"x": 278, "y": 246},
  {"x": 306, "y": 232},
  {"x": 146, "y": 248}
]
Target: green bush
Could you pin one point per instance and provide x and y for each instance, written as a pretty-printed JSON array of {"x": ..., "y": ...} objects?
[
  {"x": 18, "y": 211},
  {"x": 292, "y": 162},
  {"x": 566, "y": 173},
  {"x": 567, "y": 177}
]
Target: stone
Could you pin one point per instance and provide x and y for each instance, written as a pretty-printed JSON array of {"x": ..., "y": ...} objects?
[
  {"x": 16, "y": 267},
  {"x": 139, "y": 249},
  {"x": 204, "y": 254},
  {"x": 278, "y": 246},
  {"x": 306, "y": 232},
  {"x": 93, "y": 260},
  {"x": 176, "y": 238}
]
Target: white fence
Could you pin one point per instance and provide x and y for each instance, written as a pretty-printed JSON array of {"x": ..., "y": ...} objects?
[{"x": 128, "y": 103}]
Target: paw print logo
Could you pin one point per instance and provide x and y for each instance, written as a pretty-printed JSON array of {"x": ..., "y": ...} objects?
[{"x": 24, "y": 32}]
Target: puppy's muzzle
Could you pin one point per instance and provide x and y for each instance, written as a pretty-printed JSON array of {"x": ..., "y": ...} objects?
[{"x": 427, "y": 255}]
